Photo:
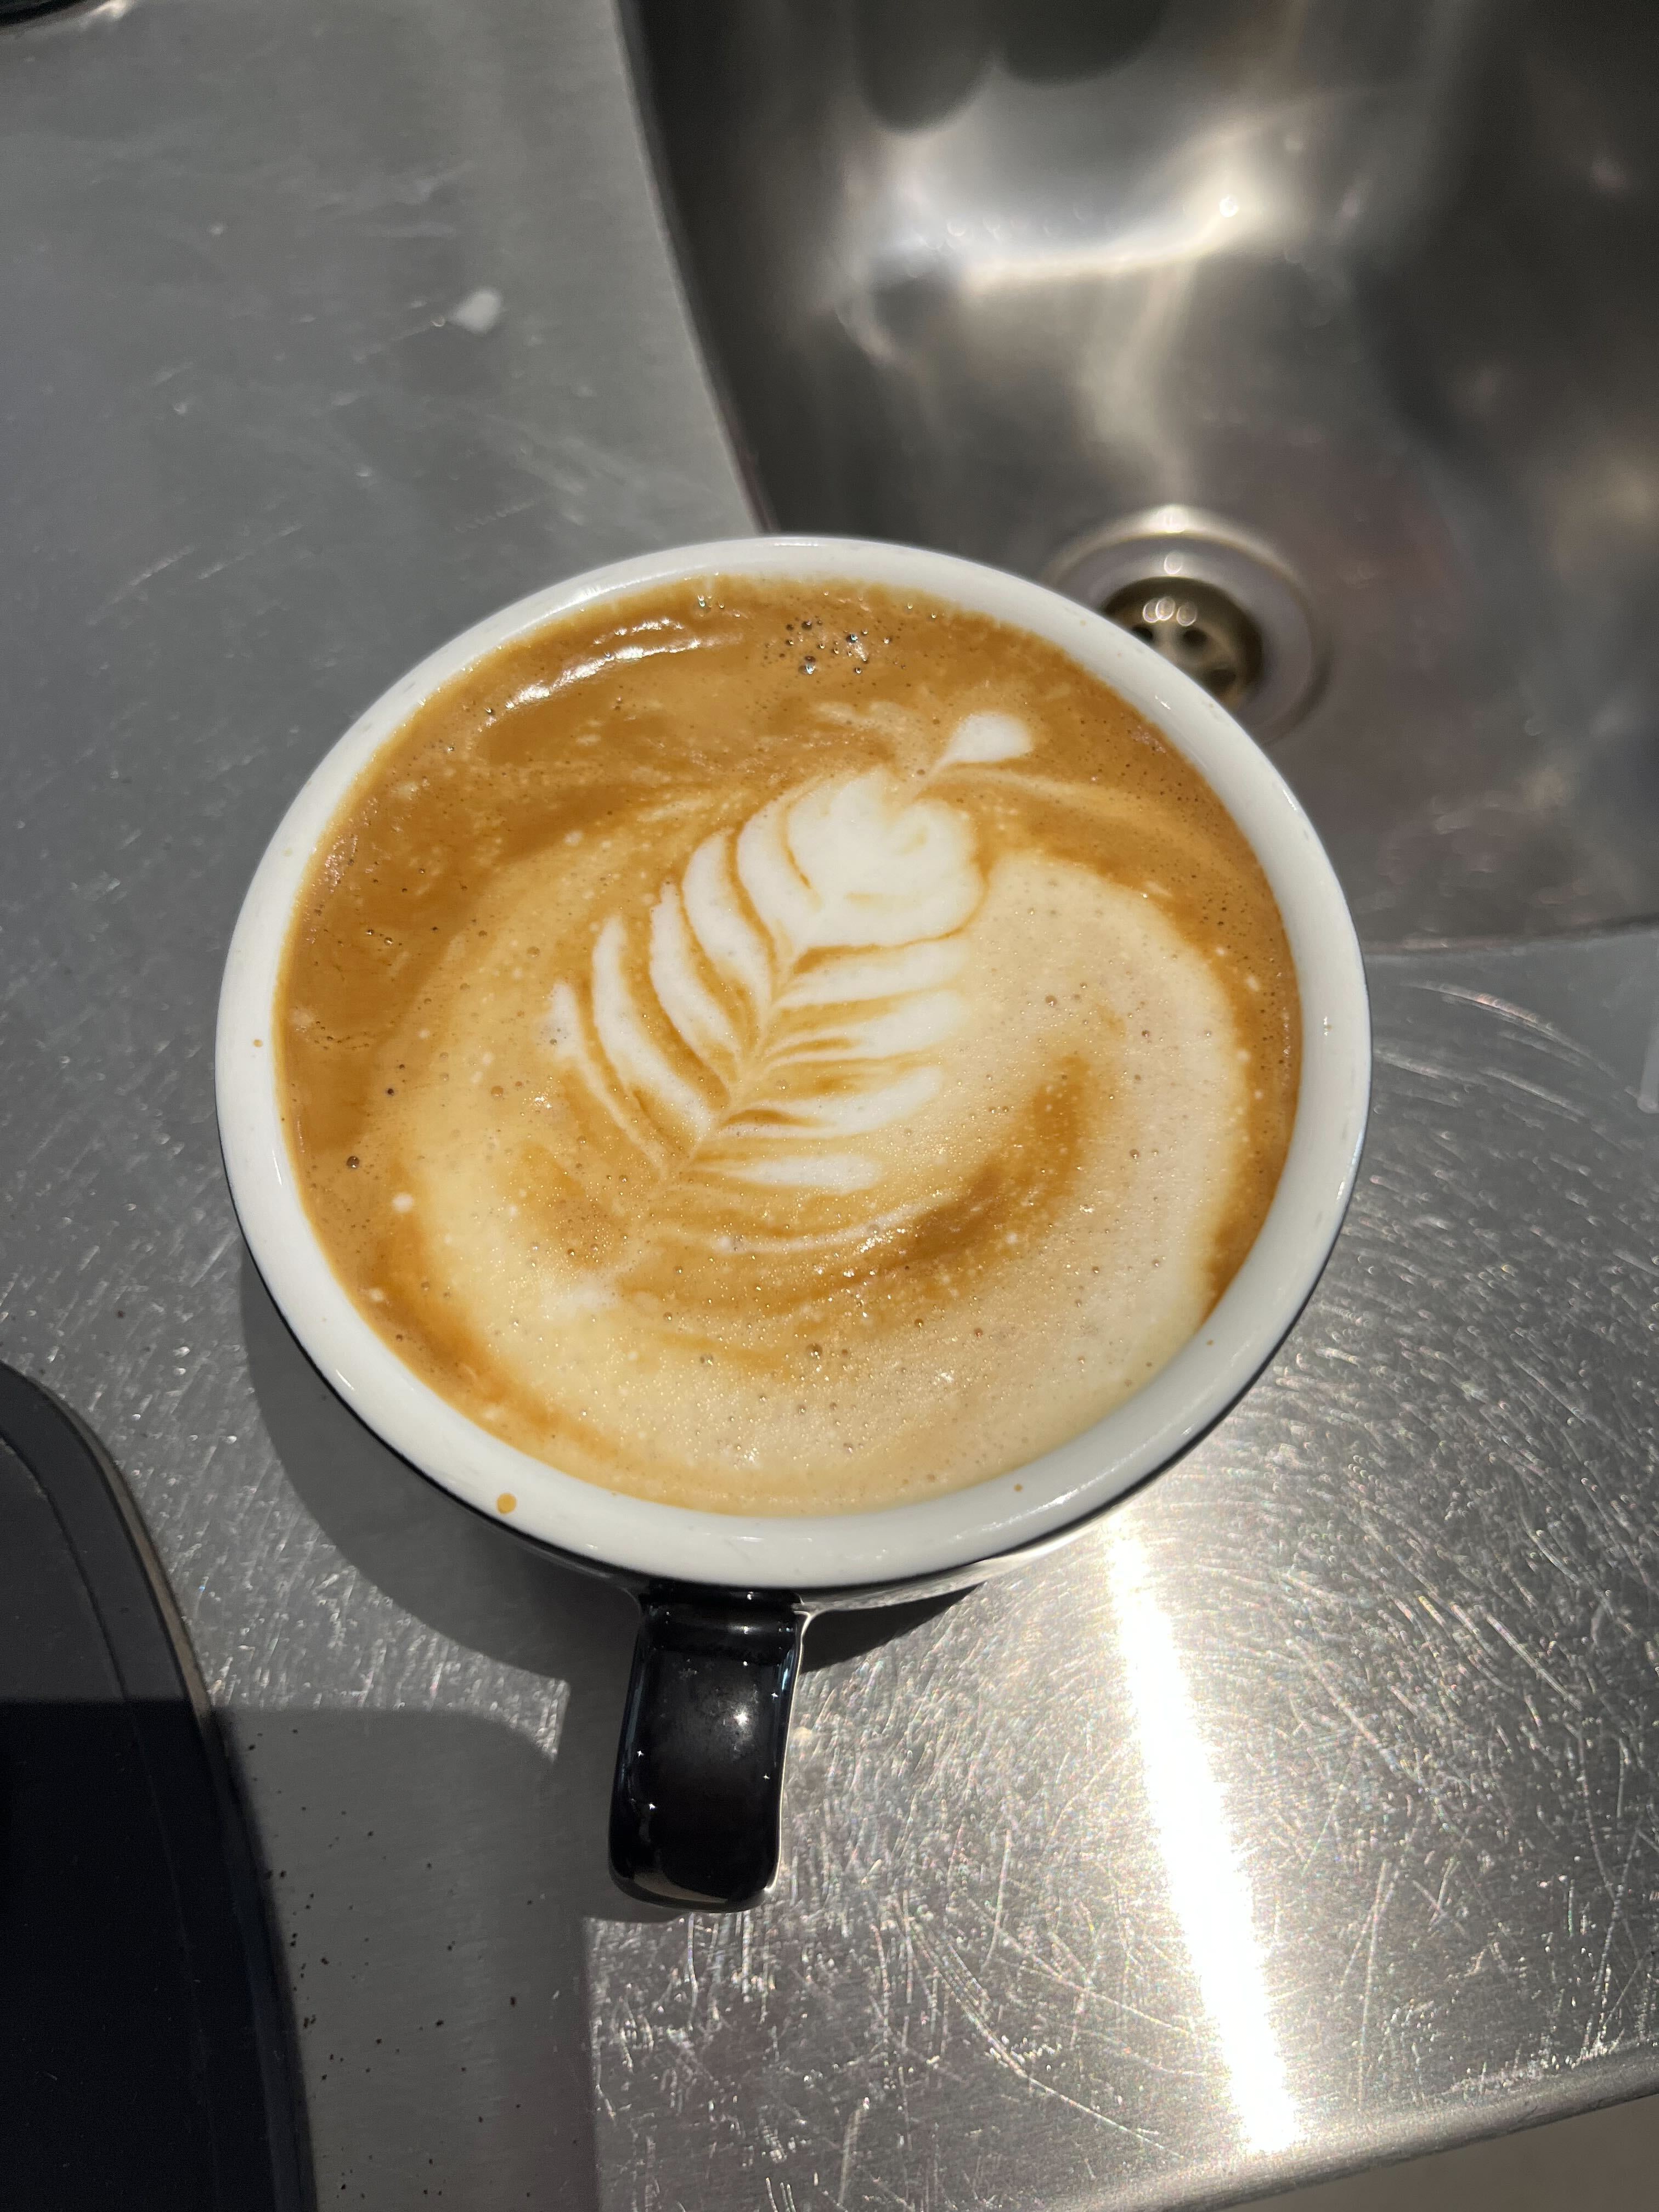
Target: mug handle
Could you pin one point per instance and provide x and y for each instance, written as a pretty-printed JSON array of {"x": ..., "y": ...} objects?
[{"x": 693, "y": 1810}]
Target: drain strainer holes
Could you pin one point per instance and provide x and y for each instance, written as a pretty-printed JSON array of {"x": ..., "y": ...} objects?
[
  {"x": 1214, "y": 601},
  {"x": 1208, "y": 635}
]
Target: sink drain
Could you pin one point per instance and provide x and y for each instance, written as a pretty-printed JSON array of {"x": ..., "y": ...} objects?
[
  {"x": 1218, "y": 604},
  {"x": 1205, "y": 634}
]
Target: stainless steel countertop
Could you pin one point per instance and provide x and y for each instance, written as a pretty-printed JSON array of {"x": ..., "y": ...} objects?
[{"x": 1303, "y": 1811}]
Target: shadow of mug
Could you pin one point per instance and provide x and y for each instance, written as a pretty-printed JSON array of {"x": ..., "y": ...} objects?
[
  {"x": 463, "y": 1863},
  {"x": 491, "y": 1590}
]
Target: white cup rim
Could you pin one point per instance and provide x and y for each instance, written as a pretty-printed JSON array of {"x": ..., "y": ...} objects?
[{"x": 899, "y": 1543}]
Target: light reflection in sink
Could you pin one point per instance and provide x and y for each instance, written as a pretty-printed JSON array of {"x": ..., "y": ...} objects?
[{"x": 1378, "y": 287}]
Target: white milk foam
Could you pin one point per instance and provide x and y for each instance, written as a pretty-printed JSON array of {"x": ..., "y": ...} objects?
[{"x": 847, "y": 1162}]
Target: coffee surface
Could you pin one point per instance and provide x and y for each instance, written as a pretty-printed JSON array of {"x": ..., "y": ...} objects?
[{"x": 785, "y": 1048}]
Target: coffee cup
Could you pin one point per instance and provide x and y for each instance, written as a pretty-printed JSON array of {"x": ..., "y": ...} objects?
[{"x": 725, "y": 1595}]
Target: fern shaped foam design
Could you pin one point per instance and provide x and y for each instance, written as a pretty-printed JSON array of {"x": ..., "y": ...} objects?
[{"x": 788, "y": 994}]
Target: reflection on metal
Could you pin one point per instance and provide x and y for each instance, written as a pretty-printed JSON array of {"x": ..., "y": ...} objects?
[
  {"x": 1414, "y": 1578},
  {"x": 1206, "y": 635},
  {"x": 1379, "y": 284},
  {"x": 1259, "y": 655},
  {"x": 1208, "y": 1887}
]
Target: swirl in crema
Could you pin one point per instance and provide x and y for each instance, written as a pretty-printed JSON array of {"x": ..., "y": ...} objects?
[{"x": 795, "y": 1139}]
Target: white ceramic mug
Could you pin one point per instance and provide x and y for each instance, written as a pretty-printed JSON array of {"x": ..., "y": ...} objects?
[{"x": 725, "y": 1595}]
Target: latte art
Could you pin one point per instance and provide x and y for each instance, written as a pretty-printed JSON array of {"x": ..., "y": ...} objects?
[
  {"x": 775, "y": 1010},
  {"x": 802, "y": 965},
  {"x": 781, "y": 1094}
]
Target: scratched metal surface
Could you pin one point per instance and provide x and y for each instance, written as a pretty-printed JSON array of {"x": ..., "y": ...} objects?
[
  {"x": 1302, "y": 1813},
  {"x": 325, "y": 327},
  {"x": 1307, "y": 1805}
]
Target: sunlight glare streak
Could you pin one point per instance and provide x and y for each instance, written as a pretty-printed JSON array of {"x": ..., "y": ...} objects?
[{"x": 1208, "y": 1887}]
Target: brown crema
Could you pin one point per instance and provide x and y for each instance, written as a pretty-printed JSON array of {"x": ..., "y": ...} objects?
[{"x": 785, "y": 1047}]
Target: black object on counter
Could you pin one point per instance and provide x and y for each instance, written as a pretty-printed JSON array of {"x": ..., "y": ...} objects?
[
  {"x": 694, "y": 1815},
  {"x": 145, "y": 2060}
]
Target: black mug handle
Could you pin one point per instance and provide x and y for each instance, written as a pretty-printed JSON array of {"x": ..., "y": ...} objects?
[{"x": 694, "y": 1812}]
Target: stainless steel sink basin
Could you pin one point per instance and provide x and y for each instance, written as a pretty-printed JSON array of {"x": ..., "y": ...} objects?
[{"x": 1350, "y": 312}]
